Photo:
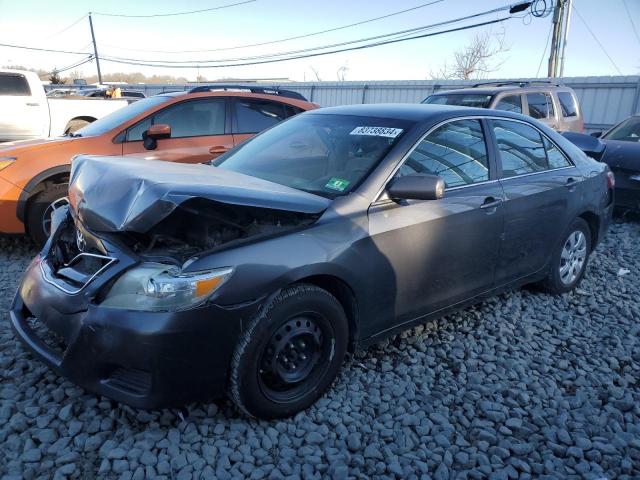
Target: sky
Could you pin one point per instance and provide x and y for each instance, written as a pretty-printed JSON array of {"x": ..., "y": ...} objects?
[{"x": 38, "y": 23}]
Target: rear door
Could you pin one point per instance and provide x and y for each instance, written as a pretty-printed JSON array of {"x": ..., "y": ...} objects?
[
  {"x": 199, "y": 132},
  {"x": 442, "y": 251},
  {"x": 253, "y": 115},
  {"x": 23, "y": 113},
  {"x": 540, "y": 106},
  {"x": 539, "y": 184}
]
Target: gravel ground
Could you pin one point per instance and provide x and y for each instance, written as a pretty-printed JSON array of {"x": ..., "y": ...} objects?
[{"x": 522, "y": 386}]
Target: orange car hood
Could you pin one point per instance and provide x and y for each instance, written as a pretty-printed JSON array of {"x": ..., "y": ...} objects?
[{"x": 14, "y": 148}]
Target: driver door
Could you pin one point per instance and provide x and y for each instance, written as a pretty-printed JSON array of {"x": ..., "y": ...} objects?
[
  {"x": 199, "y": 132},
  {"x": 445, "y": 251}
]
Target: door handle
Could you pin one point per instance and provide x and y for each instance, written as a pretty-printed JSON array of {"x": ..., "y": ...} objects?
[
  {"x": 571, "y": 183},
  {"x": 491, "y": 202},
  {"x": 218, "y": 149},
  {"x": 32, "y": 104}
]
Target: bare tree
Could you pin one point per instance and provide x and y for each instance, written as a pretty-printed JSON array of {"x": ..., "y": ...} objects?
[
  {"x": 476, "y": 60},
  {"x": 316, "y": 73}
]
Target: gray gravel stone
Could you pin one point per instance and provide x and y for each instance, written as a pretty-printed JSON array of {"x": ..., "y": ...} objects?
[{"x": 524, "y": 385}]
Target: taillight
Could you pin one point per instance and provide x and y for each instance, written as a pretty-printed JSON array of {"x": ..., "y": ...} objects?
[{"x": 611, "y": 180}]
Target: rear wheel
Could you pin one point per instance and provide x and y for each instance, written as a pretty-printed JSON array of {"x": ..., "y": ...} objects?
[
  {"x": 290, "y": 353},
  {"x": 40, "y": 209},
  {"x": 569, "y": 262},
  {"x": 75, "y": 125}
]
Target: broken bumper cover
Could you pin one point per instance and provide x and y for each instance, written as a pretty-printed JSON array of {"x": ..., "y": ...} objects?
[{"x": 143, "y": 359}]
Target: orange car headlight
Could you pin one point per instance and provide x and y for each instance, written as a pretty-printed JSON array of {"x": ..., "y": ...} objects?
[{"x": 6, "y": 161}]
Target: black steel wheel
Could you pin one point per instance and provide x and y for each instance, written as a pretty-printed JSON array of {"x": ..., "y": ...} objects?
[{"x": 290, "y": 354}]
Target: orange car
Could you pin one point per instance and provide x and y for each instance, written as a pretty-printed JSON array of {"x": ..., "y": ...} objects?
[{"x": 190, "y": 127}]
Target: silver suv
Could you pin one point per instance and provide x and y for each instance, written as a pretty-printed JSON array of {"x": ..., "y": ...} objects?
[{"x": 555, "y": 105}]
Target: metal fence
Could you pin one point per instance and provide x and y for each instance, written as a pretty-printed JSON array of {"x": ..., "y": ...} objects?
[{"x": 604, "y": 100}]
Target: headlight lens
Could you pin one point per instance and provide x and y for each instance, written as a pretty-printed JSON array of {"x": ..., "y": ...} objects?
[
  {"x": 156, "y": 287},
  {"x": 6, "y": 161}
]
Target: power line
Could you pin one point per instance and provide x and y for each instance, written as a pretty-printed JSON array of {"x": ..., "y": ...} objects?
[
  {"x": 69, "y": 67},
  {"x": 271, "y": 42},
  {"x": 361, "y": 47},
  {"x": 65, "y": 28},
  {"x": 633, "y": 24},
  {"x": 321, "y": 47},
  {"x": 8, "y": 45},
  {"x": 104, "y": 14},
  {"x": 596, "y": 39}
]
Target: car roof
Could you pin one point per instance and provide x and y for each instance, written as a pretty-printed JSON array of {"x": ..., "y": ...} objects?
[
  {"x": 304, "y": 104},
  {"x": 492, "y": 90},
  {"x": 408, "y": 111}
]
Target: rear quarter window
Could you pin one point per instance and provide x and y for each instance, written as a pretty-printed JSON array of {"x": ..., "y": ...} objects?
[{"x": 14, "y": 84}]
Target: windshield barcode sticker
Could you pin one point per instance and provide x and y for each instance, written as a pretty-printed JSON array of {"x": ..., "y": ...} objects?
[{"x": 377, "y": 131}]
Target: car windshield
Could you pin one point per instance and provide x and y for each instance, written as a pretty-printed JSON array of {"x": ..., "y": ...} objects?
[
  {"x": 114, "y": 119},
  {"x": 325, "y": 154},
  {"x": 628, "y": 131},
  {"x": 477, "y": 100}
]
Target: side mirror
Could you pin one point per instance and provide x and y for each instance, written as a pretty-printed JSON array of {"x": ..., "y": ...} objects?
[
  {"x": 596, "y": 134},
  {"x": 150, "y": 137},
  {"x": 416, "y": 187}
]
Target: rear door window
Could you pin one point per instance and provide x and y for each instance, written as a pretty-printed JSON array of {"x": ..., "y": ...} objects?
[
  {"x": 510, "y": 103},
  {"x": 567, "y": 104},
  {"x": 521, "y": 149},
  {"x": 14, "y": 84},
  {"x": 540, "y": 105},
  {"x": 455, "y": 151},
  {"x": 254, "y": 115}
]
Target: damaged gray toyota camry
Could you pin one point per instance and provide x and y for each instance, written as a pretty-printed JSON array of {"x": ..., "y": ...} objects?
[{"x": 163, "y": 284}]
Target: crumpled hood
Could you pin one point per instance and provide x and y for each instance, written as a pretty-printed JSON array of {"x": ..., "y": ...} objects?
[
  {"x": 620, "y": 154},
  {"x": 110, "y": 194}
]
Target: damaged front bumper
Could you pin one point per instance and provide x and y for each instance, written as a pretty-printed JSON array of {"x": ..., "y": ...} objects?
[{"x": 143, "y": 359}]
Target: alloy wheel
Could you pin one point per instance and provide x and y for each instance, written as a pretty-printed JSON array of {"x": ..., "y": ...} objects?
[
  {"x": 46, "y": 217},
  {"x": 573, "y": 257}
]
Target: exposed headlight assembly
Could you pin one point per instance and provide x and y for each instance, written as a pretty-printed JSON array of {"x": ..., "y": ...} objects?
[
  {"x": 6, "y": 161},
  {"x": 154, "y": 287}
]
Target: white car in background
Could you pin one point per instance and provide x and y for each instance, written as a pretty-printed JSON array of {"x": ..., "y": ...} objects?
[{"x": 26, "y": 112}]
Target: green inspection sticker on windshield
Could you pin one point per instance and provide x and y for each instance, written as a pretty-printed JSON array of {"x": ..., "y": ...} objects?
[{"x": 338, "y": 184}]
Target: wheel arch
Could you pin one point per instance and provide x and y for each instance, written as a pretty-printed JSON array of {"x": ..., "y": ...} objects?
[
  {"x": 59, "y": 174},
  {"x": 593, "y": 221},
  {"x": 345, "y": 296}
]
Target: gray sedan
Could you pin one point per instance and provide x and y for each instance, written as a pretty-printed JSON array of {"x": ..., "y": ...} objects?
[{"x": 163, "y": 284}]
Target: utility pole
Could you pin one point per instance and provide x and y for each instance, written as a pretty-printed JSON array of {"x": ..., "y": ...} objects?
[
  {"x": 95, "y": 49},
  {"x": 558, "y": 15},
  {"x": 565, "y": 35}
]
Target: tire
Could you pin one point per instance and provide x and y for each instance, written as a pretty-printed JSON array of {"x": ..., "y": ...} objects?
[
  {"x": 75, "y": 125},
  {"x": 39, "y": 207},
  {"x": 264, "y": 381},
  {"x": 578, "y": 234}
]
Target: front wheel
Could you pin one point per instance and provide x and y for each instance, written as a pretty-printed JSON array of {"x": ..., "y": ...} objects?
[
  {"x": 41, "y": 208},
  {"x": 569, "y": 262},
  {"x": 290, "y": 353}
]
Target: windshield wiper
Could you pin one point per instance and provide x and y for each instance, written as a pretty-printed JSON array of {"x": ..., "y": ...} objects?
[{"x": 74, "y": 134}]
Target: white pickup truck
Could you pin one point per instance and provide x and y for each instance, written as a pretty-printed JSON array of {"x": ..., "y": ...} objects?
[{"x": 26, "y": 112}]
